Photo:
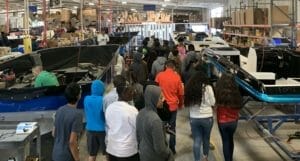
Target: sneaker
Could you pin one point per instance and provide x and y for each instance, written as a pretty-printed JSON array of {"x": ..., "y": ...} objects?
[{"x": 204, "y": 158}]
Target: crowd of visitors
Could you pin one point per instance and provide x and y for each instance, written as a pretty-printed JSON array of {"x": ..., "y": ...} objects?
[{"x": 131, "y": 120}]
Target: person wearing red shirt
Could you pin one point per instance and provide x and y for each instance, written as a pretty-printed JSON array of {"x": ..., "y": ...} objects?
[
  {"x": 228, "y": 102},
  {"x": 172, "y": 89}
]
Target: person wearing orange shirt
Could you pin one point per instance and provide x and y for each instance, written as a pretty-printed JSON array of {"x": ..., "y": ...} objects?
[{"x": 172, "y": 89}]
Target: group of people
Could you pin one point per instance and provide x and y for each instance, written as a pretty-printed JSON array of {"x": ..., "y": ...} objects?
[
  {"x": 201, "y": 98},
  {"x": 125, "y": 123},
  {"x": 113, "y": 124}
]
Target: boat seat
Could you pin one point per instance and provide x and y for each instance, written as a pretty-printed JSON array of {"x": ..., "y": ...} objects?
[
  {"x": 249, "y": 63},
  {"x": 265, "y": 77}
]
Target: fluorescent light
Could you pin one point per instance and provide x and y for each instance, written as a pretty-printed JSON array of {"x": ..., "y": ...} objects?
[
  {"x": 162, "y": 9},
  {"x": 75, "y": 7},
  {"x": 133, "y": 9},
  {"x": 164, "y": 5},
  {"x": 107, "y": 9},
  {"x": 167, "y": 0},
  {"x": 124, "y": 2},
  {"x": 91, "y": 4}
]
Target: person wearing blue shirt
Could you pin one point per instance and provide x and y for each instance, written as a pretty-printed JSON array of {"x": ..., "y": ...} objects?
[{"x": 95, "y": 120}]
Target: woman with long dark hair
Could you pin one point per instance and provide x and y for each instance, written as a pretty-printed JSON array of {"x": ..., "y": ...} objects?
[
  {"x": 199, "y": 97},
  {"x": 228, "y": 102}
]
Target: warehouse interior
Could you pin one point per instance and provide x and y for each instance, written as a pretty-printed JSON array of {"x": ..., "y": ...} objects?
[{"x": 48, "y": 47}]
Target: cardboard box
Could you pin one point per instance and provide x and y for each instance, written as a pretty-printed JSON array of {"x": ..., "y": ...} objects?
[
  {"x": 232, "y": 18},
  {"x": 2, "y": 28},
  {"x": 237, "y": 18},
  {"x": 5, "y": 51},
  {"x": 88, "y": 14},
  {"x": 249, "y": 14},
  {"x": 280, "y": 15},
  {"x": 298, "y": 36},
  {"x": 234, "y": 22},
  {"x": 66, "y": 15},
  {"x": 261, "y": 16},
  {"x": 256, "y": 16}
]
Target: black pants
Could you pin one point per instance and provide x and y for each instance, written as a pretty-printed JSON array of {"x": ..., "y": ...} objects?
[
  {"x": 227, "y": 131},
  {"x": 95, "y": 141},
  {"x": 172, "y": 123},
  {"x": 135, "y": 157}
]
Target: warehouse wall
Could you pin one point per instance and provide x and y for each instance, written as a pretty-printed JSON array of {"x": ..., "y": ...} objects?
[{"x": 205, "y": 15}]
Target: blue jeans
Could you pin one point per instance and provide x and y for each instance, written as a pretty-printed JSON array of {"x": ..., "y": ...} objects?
[
  {"x": 172, "y": 123},
  {"x": 227, "y": 131},
  {"x": 201, "y": 128}
]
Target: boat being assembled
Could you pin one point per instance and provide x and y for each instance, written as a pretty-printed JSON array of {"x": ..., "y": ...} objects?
[
  {"x": 267, "y": 74},
  {"x": 20, "y": 101}
]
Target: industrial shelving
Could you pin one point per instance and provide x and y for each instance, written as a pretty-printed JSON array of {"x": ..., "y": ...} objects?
[
  {"x": 268, "y": 124},
  {"x": 259, "y": 32}
]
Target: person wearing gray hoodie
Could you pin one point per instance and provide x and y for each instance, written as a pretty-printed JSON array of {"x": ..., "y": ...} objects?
[
  {"x": 139, "y": 68},
  {"x": 159, "y": 64},
  {"x": 149, "y": 128}
]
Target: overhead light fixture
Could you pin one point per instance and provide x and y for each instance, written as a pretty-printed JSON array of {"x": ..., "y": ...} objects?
[
  {"x": 91, "y": 4},
  {"x": 167, "y": 0},
  {"x": 162, "y": 9},
  {"x": 75, "y": 7},
  {"x": 124, "y": 2},
  {"x": 133, "y": 9},
  {"x": 107, "y": 9},
  {"x": 164, "y": 5}
]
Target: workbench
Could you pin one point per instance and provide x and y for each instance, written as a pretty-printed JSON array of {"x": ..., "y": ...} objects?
[{"x": 16, "y": 144}]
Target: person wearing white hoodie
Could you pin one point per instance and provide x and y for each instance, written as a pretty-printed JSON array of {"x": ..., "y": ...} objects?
[{"x": 199, "y": 98}]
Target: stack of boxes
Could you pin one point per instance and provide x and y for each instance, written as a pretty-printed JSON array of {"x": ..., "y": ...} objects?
[
  {"x": 260, "y": 16},
  {"x": 89, "y": 15},
  {"x": 256, "y": 16}
]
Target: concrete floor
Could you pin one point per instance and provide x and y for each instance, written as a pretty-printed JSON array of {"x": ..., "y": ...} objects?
[{"x": 249, "y": 145}]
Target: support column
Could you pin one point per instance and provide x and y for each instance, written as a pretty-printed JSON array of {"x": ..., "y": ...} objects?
[
  {"x": 45, "y": 23},
  {"x": 26, "y": 39},
  {"x": 294, "y": 23},
  {"x": 7, "y": 17},
  {"x": 81, "y": 17},
  {"x": 26, "y": 17},
  {"x": 99, "y": 16},
  {"x": 110, "y": 17}
]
